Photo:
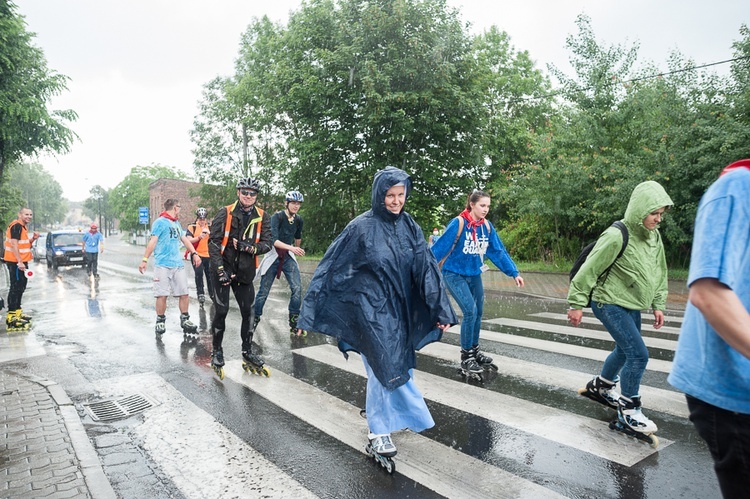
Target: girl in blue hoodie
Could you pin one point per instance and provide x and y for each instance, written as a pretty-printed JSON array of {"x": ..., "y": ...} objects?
[{"x": 461, "y": 251}]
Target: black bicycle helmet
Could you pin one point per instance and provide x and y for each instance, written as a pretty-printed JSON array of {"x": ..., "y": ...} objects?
[
  {"x": 201, "y": 213},
  {"x": 249, "y": 183}
]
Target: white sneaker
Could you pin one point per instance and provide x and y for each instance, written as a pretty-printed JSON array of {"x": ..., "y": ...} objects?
[{"x": 382, "y": 444}]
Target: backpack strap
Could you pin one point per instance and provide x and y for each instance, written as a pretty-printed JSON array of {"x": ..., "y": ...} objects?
[
  {"x": 625, "y": 239},
  {"x": 455, "y": 241}
]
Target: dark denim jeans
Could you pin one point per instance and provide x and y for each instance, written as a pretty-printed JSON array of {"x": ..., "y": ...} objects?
[
  {"x": 630, "y": 356},
  {"x": 291, "y": 272},
  {"x": 468, "y": 291},
  {"x": 727, "y": 434}
]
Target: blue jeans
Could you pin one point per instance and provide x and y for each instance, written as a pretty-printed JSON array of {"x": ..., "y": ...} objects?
[
  {"x": 291, "y": 272},
  {"x": 468, "y": 291},
  {"x": 630, "y": 356}
]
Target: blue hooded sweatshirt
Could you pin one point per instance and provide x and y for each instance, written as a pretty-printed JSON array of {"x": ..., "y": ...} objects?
[{"x": 378, "y": 289}]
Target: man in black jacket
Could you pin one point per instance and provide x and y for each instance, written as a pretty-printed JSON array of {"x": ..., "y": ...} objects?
[{"x": 239, "y": 233}]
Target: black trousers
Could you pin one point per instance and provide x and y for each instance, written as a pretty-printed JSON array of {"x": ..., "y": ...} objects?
[
  {"x": 727, "y": 434},
  {"x": 245, "y": 296},
  {"x": 92, "y": 263},
  {"x": 18, "y": 282}
]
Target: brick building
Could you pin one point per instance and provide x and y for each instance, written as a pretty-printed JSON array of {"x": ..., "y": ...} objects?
[{"x": 186, "y": 192}]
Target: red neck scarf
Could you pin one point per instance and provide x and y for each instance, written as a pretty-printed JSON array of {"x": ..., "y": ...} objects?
[
  {"x": 167, "y": 216},
  {"x": 471, "y": 223},
  {"x": 743, "y": 163}
]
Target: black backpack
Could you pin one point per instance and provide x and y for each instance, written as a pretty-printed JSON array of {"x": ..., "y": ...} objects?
[{"x": 585, "y": 253}]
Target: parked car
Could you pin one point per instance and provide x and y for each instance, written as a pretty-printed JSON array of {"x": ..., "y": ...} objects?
[
  {"x": 39, "y": 249},
  {"x": 64, "y": 249}
]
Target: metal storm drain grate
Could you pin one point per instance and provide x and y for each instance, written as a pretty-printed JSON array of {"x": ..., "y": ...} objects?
[{"x": 110, "y": 410}]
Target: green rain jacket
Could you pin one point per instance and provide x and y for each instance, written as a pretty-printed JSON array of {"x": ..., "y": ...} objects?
[{"x": 638, "y": 279}]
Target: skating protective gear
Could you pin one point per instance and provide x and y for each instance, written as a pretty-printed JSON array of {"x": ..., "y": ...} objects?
[
  {"x": 201, "y": 213},
  {"x": 246, "y": 247},
  {"x": 629, "y": 413},
  {"x": 224, "y": 277},
  {"x": 295, "y": 196},
  {"x": 249, "y": 183},
  {"x": 383, "y": 445}
]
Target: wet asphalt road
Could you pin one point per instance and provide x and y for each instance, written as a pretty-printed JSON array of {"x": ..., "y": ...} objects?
[{"x": 93, "y": 333}]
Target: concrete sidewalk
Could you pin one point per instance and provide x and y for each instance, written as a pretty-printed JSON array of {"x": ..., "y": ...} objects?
[{"x": 44, "y": 449}]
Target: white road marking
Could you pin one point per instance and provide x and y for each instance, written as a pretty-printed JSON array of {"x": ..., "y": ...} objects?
[
  {"x": 664, "y": 366},
  {"x": 440, "y": 468},
  {"x": 221, "y": 466},
  {"x": 579, "y": 432},
  {"x": 665, "y": 401},
  {"x": 590, "y": 319}
]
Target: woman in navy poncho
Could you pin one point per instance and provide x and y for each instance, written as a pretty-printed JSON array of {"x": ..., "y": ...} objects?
[{"x": 379, "y": 292}]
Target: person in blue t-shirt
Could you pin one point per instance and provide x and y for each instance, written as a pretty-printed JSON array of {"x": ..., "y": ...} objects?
[
  {"x": 169, "y": 271},
  {"x": 712, "y": 361},
  {"x": 93, "y": 244},
  {"x": 461, "y": 251}
]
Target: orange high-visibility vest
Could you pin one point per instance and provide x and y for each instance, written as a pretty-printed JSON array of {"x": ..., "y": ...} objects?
[
  {"x": 24, "y": 245},
  {"x": 228, "y": 225}
]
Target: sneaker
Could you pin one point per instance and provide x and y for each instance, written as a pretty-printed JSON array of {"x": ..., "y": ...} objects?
[
  {"x": 630, "y": 414},
  {"x": 382, "y": 444}
]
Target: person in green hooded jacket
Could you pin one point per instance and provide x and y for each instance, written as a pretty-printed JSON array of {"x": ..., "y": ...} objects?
[{"x": 636, "y": 281}]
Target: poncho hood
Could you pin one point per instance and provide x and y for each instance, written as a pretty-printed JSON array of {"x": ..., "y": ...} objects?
[{"x": 378, "y": 289}]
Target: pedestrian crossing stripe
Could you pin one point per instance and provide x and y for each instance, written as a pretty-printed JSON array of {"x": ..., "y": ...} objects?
[
  {"x": 665, "y": 401},
  {"x": 670, "y": 345},
  {"x": 659, "y": 365},
  {"x": 443, "y": 469},
  {"x": 645, "y": 324},
  {"x": 579, "y": 432}
]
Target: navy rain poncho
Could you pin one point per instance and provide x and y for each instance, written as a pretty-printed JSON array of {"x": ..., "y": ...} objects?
[{"x": 378, "y": 289}]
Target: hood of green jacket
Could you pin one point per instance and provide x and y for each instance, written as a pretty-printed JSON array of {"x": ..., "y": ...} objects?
[{"x": 646, "y": 198}]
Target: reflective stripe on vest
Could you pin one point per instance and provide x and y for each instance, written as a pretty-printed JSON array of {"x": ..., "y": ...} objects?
[
  {"x": 24, "y": 245},
  {"x": 228, "y": 225}
]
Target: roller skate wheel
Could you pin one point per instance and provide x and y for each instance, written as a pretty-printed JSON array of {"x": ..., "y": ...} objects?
[
  {"x": 581, "y": 391},
  {"x": 653, "y": 440},
  {"x": 219, "y": 372},
  {"x": 265, "y": 371}
]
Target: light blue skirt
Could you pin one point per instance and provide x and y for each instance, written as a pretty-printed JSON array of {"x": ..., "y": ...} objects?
[{"x": 402, "y": 408}]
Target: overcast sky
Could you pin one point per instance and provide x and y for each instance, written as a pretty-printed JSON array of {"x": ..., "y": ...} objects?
[{"x": 137, "y": 67}]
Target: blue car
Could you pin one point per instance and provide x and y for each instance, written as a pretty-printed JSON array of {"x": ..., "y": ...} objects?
[{"x": 65, "y": 249}]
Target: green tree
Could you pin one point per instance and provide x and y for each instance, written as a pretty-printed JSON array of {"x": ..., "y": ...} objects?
[
  {"x": 27, "y": 126},
  {"x": 96, "y": 206},
  {"x": 39, "y": 191},
  {"x": 132, "y": 192}
]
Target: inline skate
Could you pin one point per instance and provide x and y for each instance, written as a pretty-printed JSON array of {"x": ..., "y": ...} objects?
[
  {"x": 188, "y": 327},
  {"x": 469, "y": 366},
  {"x": 217, "y": 362},
  {"x": 161, "y": 325},
  {"x": 603, "y": 391},
  {"x": 14, "y": 321},
  {"x": 293, "y": 329},
  {"x": 632, "y": 422},
  {"x": 254, "y": 364},
  {"x": 484, "y": 361},
  {"x": 382, "y": 450}
]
